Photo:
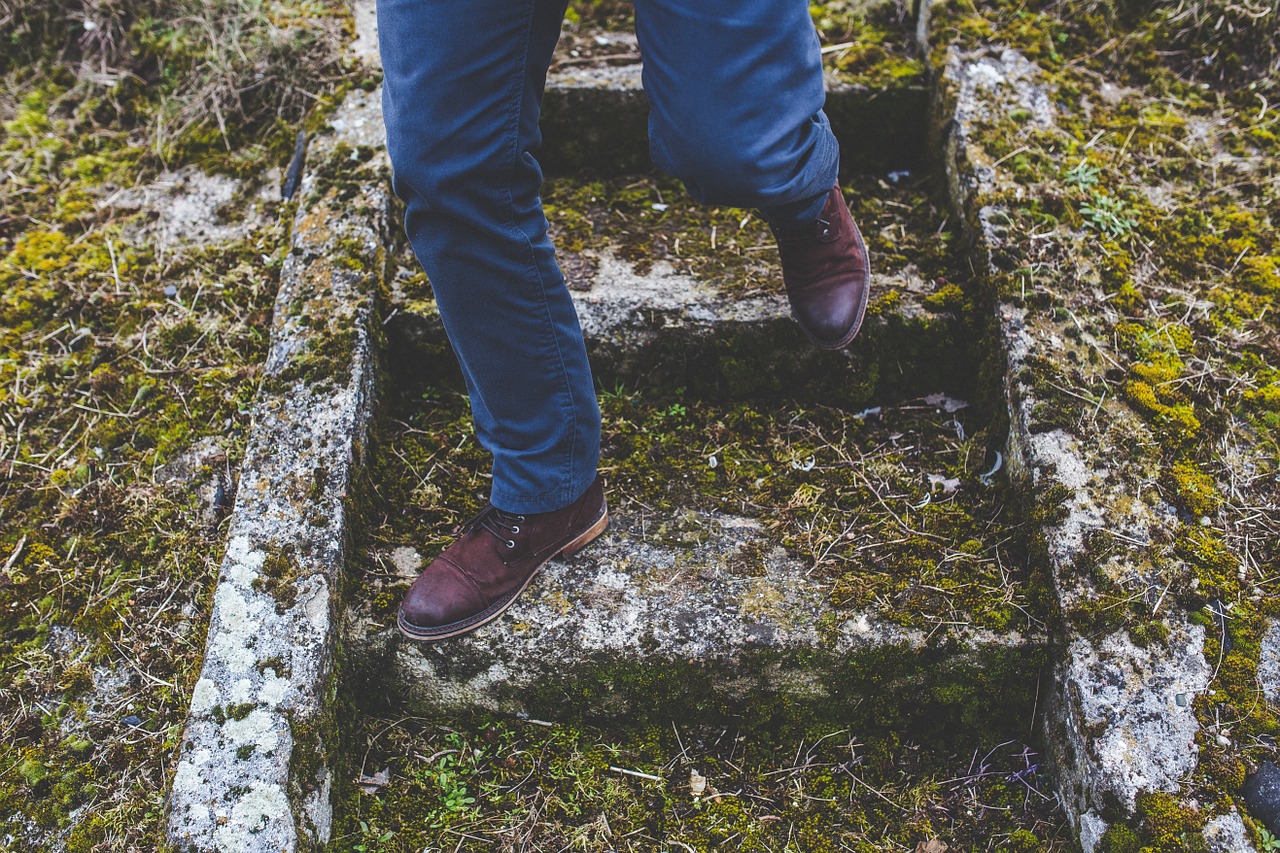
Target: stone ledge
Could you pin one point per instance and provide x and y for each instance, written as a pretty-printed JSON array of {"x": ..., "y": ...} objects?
[
  {"x": 647, "y": 629},
  {"x": 254, "y": 771},
  {"x": 663, "y": 328},
  {"x": 1121, "y": 719}
]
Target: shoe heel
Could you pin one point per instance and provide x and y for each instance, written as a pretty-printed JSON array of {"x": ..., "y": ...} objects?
[{"x": 586, "y": 538}]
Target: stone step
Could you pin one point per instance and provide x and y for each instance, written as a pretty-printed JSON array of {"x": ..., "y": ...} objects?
[
  {"x": 672, "y": 294},
  {"x": 595, "y": 113},
  {"x": 815, "y": 557}
]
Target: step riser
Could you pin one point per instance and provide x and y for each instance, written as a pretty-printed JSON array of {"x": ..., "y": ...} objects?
[
  {"x": 893, "y": 358},
  {"x": 652, "y": 632},
  {"x": 602, "y": 131}
]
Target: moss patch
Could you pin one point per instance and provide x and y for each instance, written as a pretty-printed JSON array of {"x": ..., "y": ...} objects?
[
  {"x": 818, "y": 789},
  {"x": 127, "y": 379}
]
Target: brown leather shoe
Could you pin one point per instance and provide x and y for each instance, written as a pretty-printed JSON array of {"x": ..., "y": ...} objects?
[
  {"x": 827, "y": 274},
  {"x": 479, "y": 576}
]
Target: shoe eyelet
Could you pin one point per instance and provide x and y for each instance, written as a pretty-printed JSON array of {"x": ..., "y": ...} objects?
[
  {"x": 515, "y": 528},
  {"x": 511, "y": 543},
  {"x": 520, "y": 518}
]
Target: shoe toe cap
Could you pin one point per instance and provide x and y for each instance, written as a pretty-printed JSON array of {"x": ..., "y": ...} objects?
[
  {"x": 831, "y": 319},
  {"x": 439, "y": 597}
]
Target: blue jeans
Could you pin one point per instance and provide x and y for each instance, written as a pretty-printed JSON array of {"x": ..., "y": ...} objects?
[{"x": 735, "y": 92}]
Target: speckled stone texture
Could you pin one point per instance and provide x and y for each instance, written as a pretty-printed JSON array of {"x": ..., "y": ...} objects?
[
  {"x": 679, "y": 615},
  {"x": 254, "y": 770},
  {"x": 1120, "y": 720}
]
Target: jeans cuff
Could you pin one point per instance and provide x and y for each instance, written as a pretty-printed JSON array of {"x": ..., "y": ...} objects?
[{"x": 546, "y": 502}]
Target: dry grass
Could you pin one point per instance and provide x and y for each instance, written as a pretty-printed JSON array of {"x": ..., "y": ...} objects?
[
  {"x": 1226, "y": 40},
  {"x": 185, "y": 73}
]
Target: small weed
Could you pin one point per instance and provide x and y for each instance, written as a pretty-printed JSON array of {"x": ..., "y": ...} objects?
[
  {"x": 1084, "y": 174},
  {"x": 1268, "y": 841},
  {"x": 1109, "y": 216}
]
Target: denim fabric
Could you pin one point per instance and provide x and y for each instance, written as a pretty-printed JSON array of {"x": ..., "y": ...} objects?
[{"x": 735, "y": 95}]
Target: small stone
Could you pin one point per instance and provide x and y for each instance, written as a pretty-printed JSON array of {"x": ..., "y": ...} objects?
[
  {"x": 1223, "y": 740},
  {"x": 697, "y": 783},
  {"x": 1261, "y": 794},
  {"x": 132, "y": 720},
  {"x": 170, "y": 290},
  {"x": 406, "y": 560},
  {"x": 1181, "y": 700}
]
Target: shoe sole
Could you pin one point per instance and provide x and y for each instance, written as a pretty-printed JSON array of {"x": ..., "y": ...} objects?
[
  {"x": 493, "y": 611},
  {"x": 862, "y": 303}
]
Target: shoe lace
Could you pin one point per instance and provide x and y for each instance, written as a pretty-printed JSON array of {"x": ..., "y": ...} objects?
[{"x": 503, "y": 525}]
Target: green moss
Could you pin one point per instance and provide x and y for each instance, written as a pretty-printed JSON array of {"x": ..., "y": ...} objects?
[
  {"x": 1120, "y": 839},
  {"x": 328, "y": 358},
  {"x": 279, "y": 577},
  {"x": 1179, "y": 419},
  {"x": 882, "y": 790},
  {"x": 1196, "y": 491},
  {"x": 950, "y": 297},
  {"x": 1166, "y": 821}
]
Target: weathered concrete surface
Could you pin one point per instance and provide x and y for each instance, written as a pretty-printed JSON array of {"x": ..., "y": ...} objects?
[
  {"x": 254, "y": 771},
  {"x": 618, "y": 305},
  {"x": 680, "y": 615},
  {"x": 1121, "y": 720},
  {"x": 191, "y": 208}
]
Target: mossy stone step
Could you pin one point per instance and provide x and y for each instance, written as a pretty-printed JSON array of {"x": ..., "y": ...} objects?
[
  {"x": 810, "y": 557},
  {"x": 674, "y": 294},
  {"x": 648, "y": 631},
  {"x": 594, "y": 115}
]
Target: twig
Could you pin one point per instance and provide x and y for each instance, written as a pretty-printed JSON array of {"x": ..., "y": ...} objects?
[
  {"x": 637, "y": 774},
  {"x": 17, "y": 549}
]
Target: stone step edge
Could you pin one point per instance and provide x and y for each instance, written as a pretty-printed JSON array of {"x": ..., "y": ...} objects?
[
  {"x": 1107, "y": 693},
  {"x": 621, "y": 302},
  {"x": 719, "y": 597},
  {"x": 254, "y": 771}
]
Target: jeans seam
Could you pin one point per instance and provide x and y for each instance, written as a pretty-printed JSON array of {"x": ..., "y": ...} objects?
[{"x": 566, "y": 390}]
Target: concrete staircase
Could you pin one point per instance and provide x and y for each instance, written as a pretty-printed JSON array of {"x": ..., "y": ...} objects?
[{"x": 882, "y": 537}]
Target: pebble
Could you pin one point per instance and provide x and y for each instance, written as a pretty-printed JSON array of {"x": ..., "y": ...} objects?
[
  {"x": 1262, "y": 795},
  {"x": 132, "y": 720},
  {"x": 170, "y": 290}
]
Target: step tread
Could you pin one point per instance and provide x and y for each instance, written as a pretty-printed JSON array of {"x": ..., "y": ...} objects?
[{"x": 640, "y": 253}]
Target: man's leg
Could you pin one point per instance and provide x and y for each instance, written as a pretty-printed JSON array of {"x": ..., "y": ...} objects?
[
  {"x": 736, "y": 94},
  {"x": 462, "y": 90}
]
